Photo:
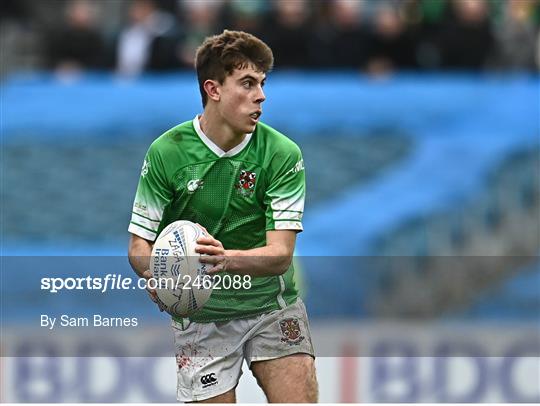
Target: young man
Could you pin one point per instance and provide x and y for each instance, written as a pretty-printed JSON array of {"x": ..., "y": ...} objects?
[{"x": 244, "y": 182}]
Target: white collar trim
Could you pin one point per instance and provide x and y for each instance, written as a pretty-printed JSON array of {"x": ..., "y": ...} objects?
[{"x": 215, "y": 148}]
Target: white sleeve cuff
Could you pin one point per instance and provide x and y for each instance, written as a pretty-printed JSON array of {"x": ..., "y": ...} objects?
[
  {"x": 288, "y": 225},
  {"x": 142, "y": 232}
]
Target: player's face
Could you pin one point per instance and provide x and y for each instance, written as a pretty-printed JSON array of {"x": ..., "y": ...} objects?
[{"x": 241, "y": 99}]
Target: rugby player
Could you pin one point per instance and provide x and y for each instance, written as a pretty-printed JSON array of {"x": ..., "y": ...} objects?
[{"x": 244, "y": 182}]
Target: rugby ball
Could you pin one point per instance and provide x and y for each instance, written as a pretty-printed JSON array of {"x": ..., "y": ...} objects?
[{"x": 180, "y": 280}]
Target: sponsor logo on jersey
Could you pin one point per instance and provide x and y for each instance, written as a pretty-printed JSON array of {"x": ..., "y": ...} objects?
[
  {"x": 299, "y": 166},
  {"x": 194, "y": 184},
  {"x": 145, "y": 167},
  {"x": 246, "y": 183},
  {"x": 290, "y": 331},
  {"x": 209, "y": 380},
  {"x": 141, "y": 206}
]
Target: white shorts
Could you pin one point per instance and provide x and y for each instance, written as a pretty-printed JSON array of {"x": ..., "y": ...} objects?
[{"x": 209, "y": 356}]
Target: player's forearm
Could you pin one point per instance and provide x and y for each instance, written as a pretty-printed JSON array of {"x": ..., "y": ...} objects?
[
  {"x": 139, "y": 254},
  {"x": 263, "y": 261}
]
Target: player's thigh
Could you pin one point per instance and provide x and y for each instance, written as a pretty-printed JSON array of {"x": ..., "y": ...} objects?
[
  {"x": 227, "y": 397},
  {"x": 209, "y": 361},
  {"x": 289, "y": 379}
]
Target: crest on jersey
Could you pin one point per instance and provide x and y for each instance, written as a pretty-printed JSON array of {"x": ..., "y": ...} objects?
[
  {"x": 290, "y": 331},
  {"x": 246, "y": 183}
]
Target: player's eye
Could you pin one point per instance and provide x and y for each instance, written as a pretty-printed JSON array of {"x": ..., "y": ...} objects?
[{"x": 247, "y": 84}]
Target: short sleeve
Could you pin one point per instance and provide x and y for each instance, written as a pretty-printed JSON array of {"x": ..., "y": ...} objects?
[
  {"x": 153, "y": 194},
  {"x": 285, "y": 195}
]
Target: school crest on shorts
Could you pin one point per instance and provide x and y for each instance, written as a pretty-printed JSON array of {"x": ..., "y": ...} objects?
[
  {"x": 290, "y": 331},
  {"x": 245, "y": 185}
]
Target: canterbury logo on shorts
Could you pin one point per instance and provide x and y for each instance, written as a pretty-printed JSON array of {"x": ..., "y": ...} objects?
[{"x": 209, "y": 380}]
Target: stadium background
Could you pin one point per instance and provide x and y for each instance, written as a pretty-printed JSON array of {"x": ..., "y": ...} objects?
[{"x": 419, "y": 123}]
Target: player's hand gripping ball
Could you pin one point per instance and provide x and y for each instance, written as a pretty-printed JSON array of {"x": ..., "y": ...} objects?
[{"x": 181, "y": 283}]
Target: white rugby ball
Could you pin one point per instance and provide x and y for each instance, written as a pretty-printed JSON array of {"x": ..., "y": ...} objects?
[{"x": 183, "y": 286}]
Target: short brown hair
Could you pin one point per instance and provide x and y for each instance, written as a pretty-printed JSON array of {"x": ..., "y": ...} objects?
[{"x": 220, "y": 55}]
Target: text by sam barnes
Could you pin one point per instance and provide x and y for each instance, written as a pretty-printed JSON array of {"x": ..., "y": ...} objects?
[{"x": 97, "y": 320}]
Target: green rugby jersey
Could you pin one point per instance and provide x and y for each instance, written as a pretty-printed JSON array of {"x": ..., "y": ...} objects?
[{"x": 237, "y": 195}]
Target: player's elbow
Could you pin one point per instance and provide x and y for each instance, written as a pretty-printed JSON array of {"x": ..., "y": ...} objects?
[
  {"x": 284, "y": 265},
  {"x": 283, "y": 260}
]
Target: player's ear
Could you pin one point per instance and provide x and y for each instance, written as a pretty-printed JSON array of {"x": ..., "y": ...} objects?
[{"x": 211, "y": 87}]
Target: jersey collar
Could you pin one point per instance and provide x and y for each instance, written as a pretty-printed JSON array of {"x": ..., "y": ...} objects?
[{"x": 213, "y": 147}]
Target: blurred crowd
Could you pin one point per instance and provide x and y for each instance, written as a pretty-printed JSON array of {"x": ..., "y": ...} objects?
[{"x": 376, "y": 36}]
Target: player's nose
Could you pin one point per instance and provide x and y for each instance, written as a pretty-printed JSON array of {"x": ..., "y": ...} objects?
[{"x": 260, "y": 97}]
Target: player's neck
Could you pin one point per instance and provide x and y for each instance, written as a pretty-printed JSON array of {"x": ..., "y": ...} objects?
[{"x": 219, "y": 132}]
